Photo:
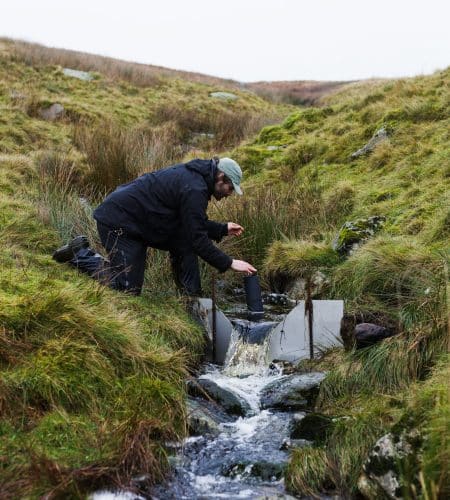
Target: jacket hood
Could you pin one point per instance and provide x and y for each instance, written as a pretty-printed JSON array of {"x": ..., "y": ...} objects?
[{"x": 207, "y": 169}]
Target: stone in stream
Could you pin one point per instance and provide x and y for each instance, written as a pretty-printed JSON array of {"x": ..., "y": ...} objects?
[
  {"x": 204, "y": 417},
  {"x": 313, "y": 427},
  {"x": 293, "y": 392},
  {"x": 230, "y": 401},
  {"x": 292, "y": 444},
  {"x": 267, "y": 471}
]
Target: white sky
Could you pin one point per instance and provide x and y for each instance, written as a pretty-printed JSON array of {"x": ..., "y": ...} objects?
[{"x": 247, "y": 40}]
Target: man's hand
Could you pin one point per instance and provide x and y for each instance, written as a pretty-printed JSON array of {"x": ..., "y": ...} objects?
[
  {"x": 242, "y": 267},
  {"x": 234, "y": 229}
]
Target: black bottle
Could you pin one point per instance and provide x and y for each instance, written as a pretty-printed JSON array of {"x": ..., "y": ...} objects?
[{"x": 253, "y": 297}]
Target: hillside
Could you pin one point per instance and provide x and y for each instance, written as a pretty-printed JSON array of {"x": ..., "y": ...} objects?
[
  {"x": 300, "y": 92},
  {"x": 306, "y": 178},
  {"x": 92, "y": 382}
]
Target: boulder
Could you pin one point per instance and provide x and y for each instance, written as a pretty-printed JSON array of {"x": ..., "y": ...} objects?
[
  {"x": 226, "y": 96},
  {"x": 392, "y": 453},
  {"x": 229, "y": 400},
  {"x": 379, "y": 136},
  {"x": 81, "y": 75},
  {"x": 267, "y": 471},
  {"x": 367, "y": 334},
  {"x": 201, "y": 420},
  {"x": 353, "y": 233},
  {"x": 350, "y": 320},
  {"x": 312, "y": 427},
  {"x": 292, "y": 392},
  {"x": 52, "y": 113}
]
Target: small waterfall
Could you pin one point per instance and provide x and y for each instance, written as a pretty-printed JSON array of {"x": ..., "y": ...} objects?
[
  {"x": 243, "y": 457},
  {"x": 247, "y": 352}
]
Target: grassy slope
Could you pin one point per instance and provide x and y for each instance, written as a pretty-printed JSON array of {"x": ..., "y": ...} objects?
[
  {"x": 400, "y": 275},
  {"x": 91, "y": 381}
]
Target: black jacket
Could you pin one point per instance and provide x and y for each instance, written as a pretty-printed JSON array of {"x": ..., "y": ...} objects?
[{"x": 168, "y": 205}]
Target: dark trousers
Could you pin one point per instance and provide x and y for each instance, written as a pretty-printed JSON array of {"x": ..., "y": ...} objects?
[{"x": 125, "y": 267}]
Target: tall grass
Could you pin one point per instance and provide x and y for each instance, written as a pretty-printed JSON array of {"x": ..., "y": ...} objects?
[
  {"x": 227, "y": 127},
  {"x": 268, "y": 215},
  {"x": 116, "y": 155}
]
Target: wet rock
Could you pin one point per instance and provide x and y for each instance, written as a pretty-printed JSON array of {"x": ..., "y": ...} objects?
[
  {"x": 53, "y": 112},
  {"x": 231, "y": 402},
  {"x": 293, "y": 392},
  {"x": 353, "y": 233},
  {"x": 379, "y": 136},
  {"x": 201, "y": 420},
  {"x": 277, "y": 299},
  {"x": 367, "y": 334},
  {"x": 226, "y": 96},
  {"x": 292, "y": 444},
  {"x": 312, "y": 427},
  {"x": 280, "y": 366},
  {"x": 392, "y": 452},
  {"x": 81, "y": 75},
  {"x": 267, "y": 471}
]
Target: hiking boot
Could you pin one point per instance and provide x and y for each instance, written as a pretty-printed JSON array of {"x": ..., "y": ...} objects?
[{"x": 67, "y": 252}]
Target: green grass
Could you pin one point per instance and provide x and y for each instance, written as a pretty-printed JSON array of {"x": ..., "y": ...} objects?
[
  {"x": 91, "y": 382},
  {"x": 401, "y": 274}
]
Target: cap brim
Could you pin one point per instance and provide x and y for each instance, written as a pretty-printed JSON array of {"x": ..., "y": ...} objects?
[{"x": 237, "y": 189}]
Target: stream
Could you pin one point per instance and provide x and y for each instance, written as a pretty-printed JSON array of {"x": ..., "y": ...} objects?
[{"x": 245, "y": 456}]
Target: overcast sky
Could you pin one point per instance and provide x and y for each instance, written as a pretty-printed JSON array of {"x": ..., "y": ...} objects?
[{"x": 247, "y": 40}]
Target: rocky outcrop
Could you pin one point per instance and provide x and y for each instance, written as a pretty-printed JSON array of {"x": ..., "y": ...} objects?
[
  {"x": 391, "y": 453},
  {"x": 354, "y": 233},
  {"x": 292, "y": 392},
  {"x": 379, "y": 136},
  {"x": 267, "y": 471}
]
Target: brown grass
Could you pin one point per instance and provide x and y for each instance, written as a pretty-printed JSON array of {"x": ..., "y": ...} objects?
[
  {"x": 116, "y": 155},
  {"x": 141, "y": 75},
  {"x": 297, "y": 92}
]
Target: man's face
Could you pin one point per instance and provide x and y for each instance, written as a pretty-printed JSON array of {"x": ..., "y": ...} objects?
[{"x": 223, "y": 187}]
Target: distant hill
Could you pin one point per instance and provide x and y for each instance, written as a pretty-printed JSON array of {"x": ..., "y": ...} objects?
[
  {"x": 292, "y": 92},
  {"x": 295, "y": 92}
]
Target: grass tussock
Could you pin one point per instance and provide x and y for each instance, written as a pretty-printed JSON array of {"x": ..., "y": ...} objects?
[
  {"x": 115, "y": 155},
  {"x": 91, "y": 382}
]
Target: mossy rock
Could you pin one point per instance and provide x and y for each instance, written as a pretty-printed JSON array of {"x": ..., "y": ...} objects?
[{"x": 353, "y": 233}]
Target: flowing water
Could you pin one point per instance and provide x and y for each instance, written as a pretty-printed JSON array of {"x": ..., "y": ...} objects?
[{"x": 246, "y": 458}]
